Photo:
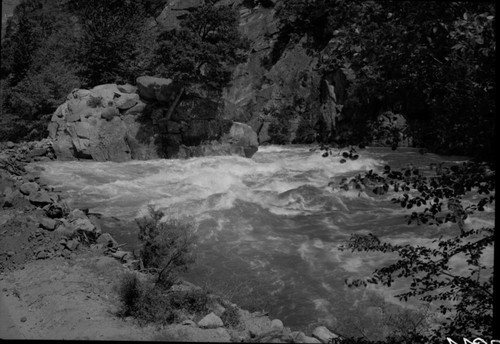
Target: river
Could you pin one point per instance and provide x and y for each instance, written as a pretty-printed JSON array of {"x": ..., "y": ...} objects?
[{"x": 270, "y": 225}]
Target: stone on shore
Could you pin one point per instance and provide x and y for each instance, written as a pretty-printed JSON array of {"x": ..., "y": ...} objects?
[
  {"x": 324, "y": 334},
  {"x": 48, "y": 224},
  {"x": 29, "y": 188},
  {"x": 40, "y": 198},
  {"x": 210, "y": 321}
]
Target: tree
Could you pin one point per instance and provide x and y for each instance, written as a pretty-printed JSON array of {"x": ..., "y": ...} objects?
[
  {"x": 37, "y": 72},
  {"x": 202, "y": 51},
  {"x": 466, "y": 297},
  {"x": 433, "y": 63},
  {"x": 109, "y": 30}
]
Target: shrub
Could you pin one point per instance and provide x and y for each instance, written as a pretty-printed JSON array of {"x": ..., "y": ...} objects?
[
  {"x": 231, "y": 317},
  {"x": 193, "y": 301},
  {"x": 168, "y": 246},
  {"x": 94, "y": 102},
  {"x": 130, "y": 294}
]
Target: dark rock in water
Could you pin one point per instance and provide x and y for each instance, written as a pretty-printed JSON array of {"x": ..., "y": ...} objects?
[{"x": 29, "y": 188}]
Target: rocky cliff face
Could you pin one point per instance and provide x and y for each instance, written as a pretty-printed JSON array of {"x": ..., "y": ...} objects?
[
  {"x": 275, "y": 75},
  {"x": 122, "y": 122}
]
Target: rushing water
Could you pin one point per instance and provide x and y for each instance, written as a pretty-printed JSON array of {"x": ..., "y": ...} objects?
[{"x": 271, "y": 221}]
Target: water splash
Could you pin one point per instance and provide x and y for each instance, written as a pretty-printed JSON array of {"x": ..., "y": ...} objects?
[{"x": 272, "y": 218}]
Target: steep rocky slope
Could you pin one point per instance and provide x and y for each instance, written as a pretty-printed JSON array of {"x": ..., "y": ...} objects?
[{"x": 276, "y": 75}]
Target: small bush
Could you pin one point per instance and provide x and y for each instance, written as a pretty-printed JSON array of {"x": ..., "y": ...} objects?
[
  {"x": 130, "y": 294},
  {"x": 231, "y": 317},
  {"x": 193, "y": 301},
  {"x": 94, "y": 102},
  {"x": 168, "y": 246}
]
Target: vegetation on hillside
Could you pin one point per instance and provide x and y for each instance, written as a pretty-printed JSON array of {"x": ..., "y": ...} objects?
[
  {"x": 51, "y": 47},
  {"x": 435, "y": 64}
]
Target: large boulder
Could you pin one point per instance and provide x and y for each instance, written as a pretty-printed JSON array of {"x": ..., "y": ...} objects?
[
  {"x": 112, "y": 123},
  {"x": 152, "y": 88},
  {"x": 91, "y": 125}
]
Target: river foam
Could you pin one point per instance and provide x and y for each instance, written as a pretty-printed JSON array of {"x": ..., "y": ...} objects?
[{"x": 271, "y": 219}]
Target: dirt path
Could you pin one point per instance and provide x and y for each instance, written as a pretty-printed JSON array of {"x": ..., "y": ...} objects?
[{"x": 65, "y": 299}]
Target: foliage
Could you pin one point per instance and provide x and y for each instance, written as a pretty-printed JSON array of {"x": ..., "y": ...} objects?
[
  {"x": 37, "y": 71},
  {"x": 167, "y": 246},
  {"x": 466, "y": 298},
  {"x": 231, "y": 317},
  {"x": 130, "y": 294},
  {"x": 108, "y": 32},
  {"x": 433, "y": 63},
  {"x": 150, "y": 304},
  {"x": 279, "y": 128},
  {"x": 203, "y": 49}
]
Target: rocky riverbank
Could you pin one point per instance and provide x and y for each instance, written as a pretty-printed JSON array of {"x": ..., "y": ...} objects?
[{"x": 59, "y": 273}]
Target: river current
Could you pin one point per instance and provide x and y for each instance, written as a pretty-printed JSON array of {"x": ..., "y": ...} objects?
[{"x": 272, "y": 223}]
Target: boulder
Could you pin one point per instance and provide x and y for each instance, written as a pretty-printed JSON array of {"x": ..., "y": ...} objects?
[
  {"x": 153, "y": 88},
  {"x": 210, "y": 321},
  {"x": 277, "y": 324},
  {"x": 40, "y": 198},
  {"x": 127, "y": 88},
  {"x": 324, "y": 334},
  {"x": 105, "y": 124},
  {"x": 76, "y": 214},
  {"x": 189, "y": 333},
  {"x": 300, "y": 337},
  {"x": 29, "y": 188},
  {"x": 109, "y": 113},
  {"x": 65, "y": 229},
  {"x": 15, "y": 199},
  {"x": 107, "y": 240},
  {"x": 83, "y": 225},
  {"x": 40, "y": 151},
  {"x": 242, "y": 135},
  {"x": 48, "y": 224},
  {"x": 137, "y": 109},
  {"x": 127, "y": 101}
]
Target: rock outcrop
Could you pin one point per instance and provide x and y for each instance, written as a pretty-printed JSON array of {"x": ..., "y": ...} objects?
[
  {"x": 278, "y": 74},
  {"x": 123, "y": 122}
]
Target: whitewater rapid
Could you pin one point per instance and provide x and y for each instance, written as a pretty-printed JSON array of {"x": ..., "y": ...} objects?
[{"x": 272, "y": 221}]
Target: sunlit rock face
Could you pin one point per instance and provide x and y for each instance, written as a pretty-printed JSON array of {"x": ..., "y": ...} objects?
[{"x": 121, "y": 122}]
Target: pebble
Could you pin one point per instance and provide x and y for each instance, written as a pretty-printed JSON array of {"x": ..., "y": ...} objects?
[{"x": 23, "y": 319}]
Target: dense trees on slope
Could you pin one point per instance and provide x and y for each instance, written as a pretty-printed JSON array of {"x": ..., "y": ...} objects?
[
  {"x": 433, "y": 63},
  {"x": 51, "y": 47}
]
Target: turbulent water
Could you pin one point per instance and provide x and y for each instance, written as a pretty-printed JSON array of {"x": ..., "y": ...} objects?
[{"x": 271, "y": 222}]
